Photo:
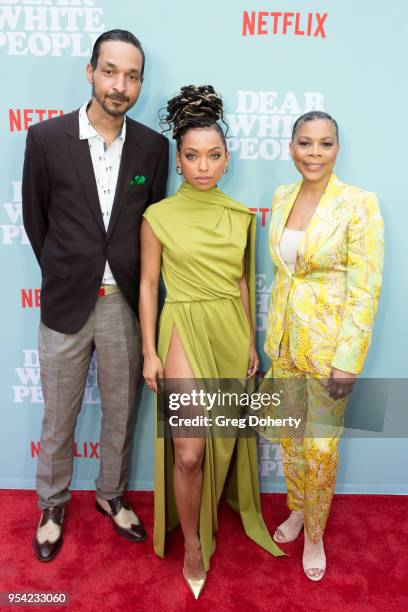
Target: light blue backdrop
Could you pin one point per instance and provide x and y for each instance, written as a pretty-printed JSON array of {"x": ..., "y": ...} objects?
[{"x": 356, "y": 72}]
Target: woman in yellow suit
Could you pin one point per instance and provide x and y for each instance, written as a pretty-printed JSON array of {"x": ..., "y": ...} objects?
[{"x": 326, "y": 243}]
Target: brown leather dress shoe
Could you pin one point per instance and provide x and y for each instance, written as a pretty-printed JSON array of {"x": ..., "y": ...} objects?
[
  {"x": 48, "y": 539},
  {"x": 124, "y": 520}
]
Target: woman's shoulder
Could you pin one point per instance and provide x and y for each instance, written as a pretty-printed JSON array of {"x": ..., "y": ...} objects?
[
  {"x": 356, "y": 203},
  {"x": 352, "y": 190},
  {"x": 220, "y": 198},
  {"x": 240, "y": 206},
  {"x": 158, "y": 207},
  {"x": 283, "y": 191},
  {"x": 356, "y": 196}
]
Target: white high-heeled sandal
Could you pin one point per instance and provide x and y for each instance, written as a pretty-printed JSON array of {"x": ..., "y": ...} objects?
[
  {"x": 280, "y": 537},
  {"x": 318, "y": 563}
]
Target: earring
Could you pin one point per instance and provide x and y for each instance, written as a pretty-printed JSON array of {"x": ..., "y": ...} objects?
[
  {"x": 226, "y": 169},
  {"x": 178, "y": 170}
]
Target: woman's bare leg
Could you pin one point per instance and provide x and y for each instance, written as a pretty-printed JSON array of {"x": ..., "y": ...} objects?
[{"x": 188, "y": 473}]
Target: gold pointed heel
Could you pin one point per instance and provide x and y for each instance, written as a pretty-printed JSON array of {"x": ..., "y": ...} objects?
[{"x": 195, "y": 585}]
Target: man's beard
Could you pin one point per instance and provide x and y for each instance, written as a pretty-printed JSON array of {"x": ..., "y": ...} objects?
[{"x": 111, "y": 111}]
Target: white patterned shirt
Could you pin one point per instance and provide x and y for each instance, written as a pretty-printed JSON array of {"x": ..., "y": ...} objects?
[{"x": 105, "y": 162}]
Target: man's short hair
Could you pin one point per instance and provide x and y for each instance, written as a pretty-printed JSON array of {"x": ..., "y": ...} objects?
[{"x": 121, "y": 36}]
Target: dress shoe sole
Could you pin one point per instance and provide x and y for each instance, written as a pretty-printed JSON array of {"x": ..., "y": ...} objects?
[
  {"x": 123, "y": 533},
  {"x": 52, "y": 555}
]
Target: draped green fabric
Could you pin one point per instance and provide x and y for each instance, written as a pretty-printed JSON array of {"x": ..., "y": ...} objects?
[{"x": 204, "y": 236}]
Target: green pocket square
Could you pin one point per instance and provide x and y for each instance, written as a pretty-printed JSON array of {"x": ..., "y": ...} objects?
[{"x": 138, "y": 180}]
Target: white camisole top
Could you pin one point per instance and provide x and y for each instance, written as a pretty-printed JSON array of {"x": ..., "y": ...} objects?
[{"x": 289, "y": 245}]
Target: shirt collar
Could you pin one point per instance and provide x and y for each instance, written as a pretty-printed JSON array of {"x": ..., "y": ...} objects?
[{"x": 87, "y": 130}]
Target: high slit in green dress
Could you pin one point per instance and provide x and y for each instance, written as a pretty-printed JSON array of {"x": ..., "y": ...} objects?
[{"x": 204, "y": 236}]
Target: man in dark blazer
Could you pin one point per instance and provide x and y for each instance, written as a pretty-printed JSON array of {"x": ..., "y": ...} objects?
[{"x": 88, "y": 177}]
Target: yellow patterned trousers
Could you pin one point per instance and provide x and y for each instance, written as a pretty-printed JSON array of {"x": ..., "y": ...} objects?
[{"x": 309, "y": 454}]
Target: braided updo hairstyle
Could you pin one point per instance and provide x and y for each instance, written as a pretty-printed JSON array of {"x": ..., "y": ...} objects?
[{"x": 196, "y": 106}]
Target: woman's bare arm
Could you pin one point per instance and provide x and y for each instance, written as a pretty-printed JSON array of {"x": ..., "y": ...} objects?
[
  {"x": 253, "y": 362},
  {"x": 150, "y": 255}
]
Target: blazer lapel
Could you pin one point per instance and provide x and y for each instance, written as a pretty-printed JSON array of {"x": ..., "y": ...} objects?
[
  {"x": 126, "y": 173},
  {"x": 82, "y": 161},
  {"x": 278, "y": 221},
  {"x": 322, "y": 224}
]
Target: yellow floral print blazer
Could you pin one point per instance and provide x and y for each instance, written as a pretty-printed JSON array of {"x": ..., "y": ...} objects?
[{"x": 330, "y": 300}]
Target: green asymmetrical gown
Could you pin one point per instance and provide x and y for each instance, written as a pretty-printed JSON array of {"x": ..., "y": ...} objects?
[{"x": 204, "y": 236}]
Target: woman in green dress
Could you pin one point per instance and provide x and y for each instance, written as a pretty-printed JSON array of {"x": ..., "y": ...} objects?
[{"x": 202, "y": 242}]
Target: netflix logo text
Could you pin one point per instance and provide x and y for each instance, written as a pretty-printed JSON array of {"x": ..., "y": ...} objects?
[
  {"x": 82, "y": 450},
  {"x": 275, "y": 23},
  {"x": 263, "y": 212},
  {"x": 20, "y": 119},
  {"x": 30, "y": 298}
]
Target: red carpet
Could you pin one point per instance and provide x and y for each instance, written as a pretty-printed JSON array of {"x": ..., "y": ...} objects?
[{"x": 366, "y": 547}]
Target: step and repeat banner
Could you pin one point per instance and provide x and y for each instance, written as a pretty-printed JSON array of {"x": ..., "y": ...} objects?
[{"x": 271, "y": 60}]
